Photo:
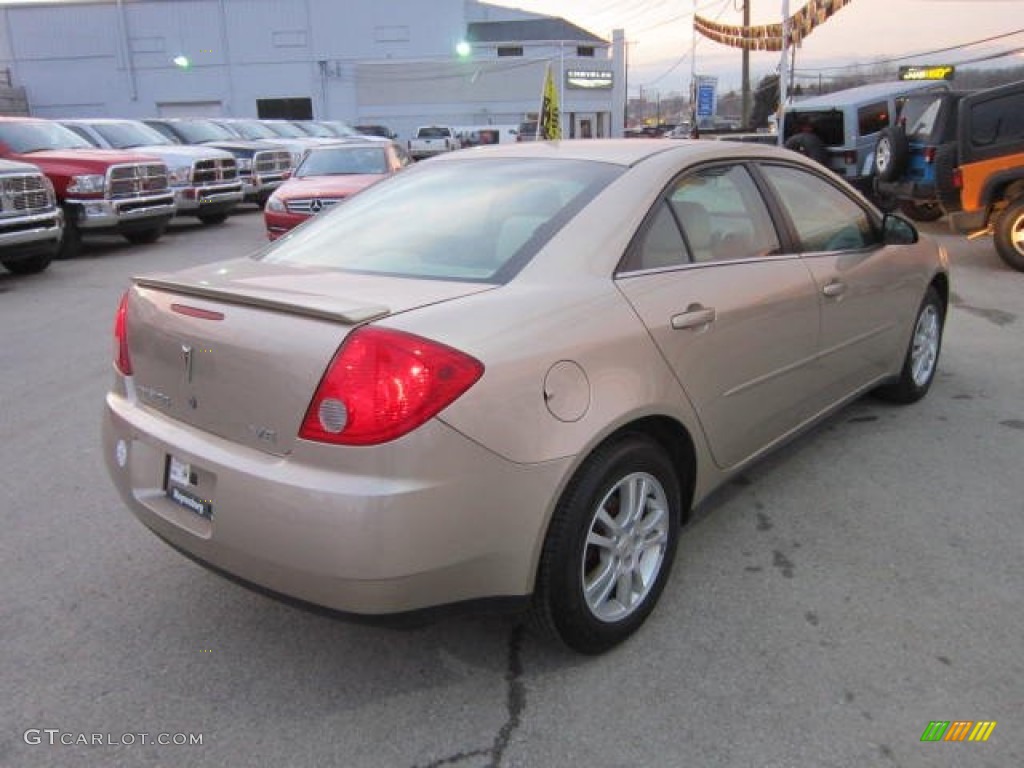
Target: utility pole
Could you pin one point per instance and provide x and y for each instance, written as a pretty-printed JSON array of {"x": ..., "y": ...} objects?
[{"x": 746, "y": 69}]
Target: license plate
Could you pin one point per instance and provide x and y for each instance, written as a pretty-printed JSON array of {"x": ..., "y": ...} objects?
[{"x": 182, "y": 482}]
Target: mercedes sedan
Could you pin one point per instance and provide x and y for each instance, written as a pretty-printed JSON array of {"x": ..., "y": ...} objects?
[{"x": 508, "y": 374}]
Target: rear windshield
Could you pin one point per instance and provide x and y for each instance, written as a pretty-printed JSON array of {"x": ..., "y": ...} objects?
[
  {"x": 828, "y": 124},
  {"x": 433, "y": 133},
  {"x": 479, "y": 220},
  {"x": 919, "y": 116}
]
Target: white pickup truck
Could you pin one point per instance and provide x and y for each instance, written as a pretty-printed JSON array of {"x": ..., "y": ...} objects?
[{"x": 433, "y": 140}]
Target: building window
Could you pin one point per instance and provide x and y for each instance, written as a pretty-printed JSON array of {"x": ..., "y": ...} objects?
[
  {"x": 284, "y": 109},
  {"x": 585, "y": 50},
  {"x": 510, "y": 50}
]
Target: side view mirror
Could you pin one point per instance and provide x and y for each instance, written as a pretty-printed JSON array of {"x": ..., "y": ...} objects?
[{"x": 898, "y": 231}]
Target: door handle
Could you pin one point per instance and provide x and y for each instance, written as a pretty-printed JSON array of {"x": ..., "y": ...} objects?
[
  {"x": 695, "y": 317},
  {"x": 834, "y": 289}
]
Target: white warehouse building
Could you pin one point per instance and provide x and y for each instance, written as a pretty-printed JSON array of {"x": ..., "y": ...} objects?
[{"x": 393, "y": 62}]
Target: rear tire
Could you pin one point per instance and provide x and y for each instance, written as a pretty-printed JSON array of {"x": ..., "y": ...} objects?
[
  {"x": 609, "y": 548},
  {"x": 145, "y": 236},
  {"x": 922, "y": 358},
  {"x": 28, "y": 266},
  {"x": 1009, "y": 234}
]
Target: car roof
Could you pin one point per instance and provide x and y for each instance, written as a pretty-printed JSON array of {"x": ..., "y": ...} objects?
[
  {"x": 620, "y": 151},
  {"x": 860, "y": 93}
]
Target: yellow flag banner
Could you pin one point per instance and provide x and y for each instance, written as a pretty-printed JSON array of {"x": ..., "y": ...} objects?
[
  {"x": 550, "y": 118},
  {"x": 768, "y": 37}
]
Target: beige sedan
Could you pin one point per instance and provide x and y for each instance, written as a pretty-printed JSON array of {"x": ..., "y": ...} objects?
[{"x": 508, "y": 374}]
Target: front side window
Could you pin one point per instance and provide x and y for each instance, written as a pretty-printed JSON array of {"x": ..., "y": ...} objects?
[{"x": 824, "y": 217}]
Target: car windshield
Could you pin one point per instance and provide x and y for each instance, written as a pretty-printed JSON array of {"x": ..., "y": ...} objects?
[
  {"x": 199, "y": 132},
  {"x": 340, "y": 129},
  {"x": 312, "y": 129},
  {"x": 287, "y": 130},
  {"x": 336, "y": 161},
  {"x": 250, "y": 129},
  {"x": 471, "y": 220},
  {"x": 36, "y": 137},
  {"x": 128, "y": 135}
]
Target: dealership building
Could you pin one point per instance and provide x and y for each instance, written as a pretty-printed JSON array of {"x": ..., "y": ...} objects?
[{"x": 400, "y": 63}]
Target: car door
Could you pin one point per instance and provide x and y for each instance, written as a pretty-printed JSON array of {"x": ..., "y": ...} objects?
[
  {"x": 734, "y": 316},
  {"x": 863, "y": 288}
]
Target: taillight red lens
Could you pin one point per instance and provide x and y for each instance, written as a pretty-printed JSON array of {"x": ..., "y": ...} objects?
[
  {"x": 929, "y": 154},
  {"x": 383, "y": 384},
  {"x": 850, "y": 158},
  {"x": 958, "y": 178},
  {"x": 121, "y": 357}
]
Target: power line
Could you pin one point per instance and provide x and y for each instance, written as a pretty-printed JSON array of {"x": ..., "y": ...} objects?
[{"x": 915, "y": 55}]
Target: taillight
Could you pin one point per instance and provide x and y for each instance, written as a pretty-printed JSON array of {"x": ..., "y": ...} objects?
[
  {"x": 958, "y": 178},
  {"x": 122, "y": 359},
  {"x": 383, "y": 384},
  {"x": 929, "y": 154},
  {"x": 850, "y": 158}
]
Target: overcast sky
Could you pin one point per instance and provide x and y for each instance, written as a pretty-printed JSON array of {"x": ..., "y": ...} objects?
[{"x": 865, "y": 31}]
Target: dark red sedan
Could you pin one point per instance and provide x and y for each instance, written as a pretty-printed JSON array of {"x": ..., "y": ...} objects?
[{"x": 327, "y": 175}]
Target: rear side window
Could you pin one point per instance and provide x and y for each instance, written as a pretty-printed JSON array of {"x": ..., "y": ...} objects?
[
  {"x": 872, "y": 118},
  {"x": 715, "y": 214},
  {"x": 998, "y": 121},
  {"x": 824, "y": 217}
]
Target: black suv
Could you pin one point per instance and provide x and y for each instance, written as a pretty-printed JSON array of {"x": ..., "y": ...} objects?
[{"x": 961, "y": 154}]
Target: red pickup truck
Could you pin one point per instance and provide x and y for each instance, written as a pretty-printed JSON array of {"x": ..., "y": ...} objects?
[{"x": 101, "y": 191}]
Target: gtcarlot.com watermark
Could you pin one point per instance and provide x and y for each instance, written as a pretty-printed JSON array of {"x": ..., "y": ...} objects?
[{"x": 57, "y": 737}]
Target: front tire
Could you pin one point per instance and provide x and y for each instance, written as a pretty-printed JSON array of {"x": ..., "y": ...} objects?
[
  {"x": 145, "y": 236},
  {"x": 28, "y": 266},
  {"x": 211, "y": 219},
  {"x": 922, "y": 358},
  {"x": 610, "y": 546},
  {"x": 71, "y": 241},
  {"x": 1009, "y": 234}
]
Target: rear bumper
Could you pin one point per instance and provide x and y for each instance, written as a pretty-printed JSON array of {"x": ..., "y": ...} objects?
[
  {"x": 122, "y": 215},
  {"x": 967, "y": 221},
  {"x": 26, "y": 236},
  {"x": 428, "y": 520},
  {"x": 909, "y": 190}
]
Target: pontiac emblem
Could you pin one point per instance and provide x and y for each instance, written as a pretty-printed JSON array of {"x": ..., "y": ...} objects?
[
  {"x": 186, "y": 356},
  {"x": 316, "y": 205}
]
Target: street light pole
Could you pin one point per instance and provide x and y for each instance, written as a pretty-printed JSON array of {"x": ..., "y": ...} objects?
[{"x": 746, "y": 68}]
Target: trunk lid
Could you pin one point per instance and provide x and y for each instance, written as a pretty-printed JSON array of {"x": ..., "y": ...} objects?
[{"x": 238, "y": 348}]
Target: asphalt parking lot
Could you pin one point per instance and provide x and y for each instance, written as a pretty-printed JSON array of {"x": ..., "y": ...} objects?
[{"x": 823, "y": 609}]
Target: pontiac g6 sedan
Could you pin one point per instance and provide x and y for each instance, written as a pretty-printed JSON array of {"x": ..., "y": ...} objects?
[{"x": 510, "y": 373}]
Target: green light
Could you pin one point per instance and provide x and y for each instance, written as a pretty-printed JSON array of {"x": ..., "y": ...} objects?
[
  {"x": 182, "y": 61},
  {"x": 463, "y": 49}
]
